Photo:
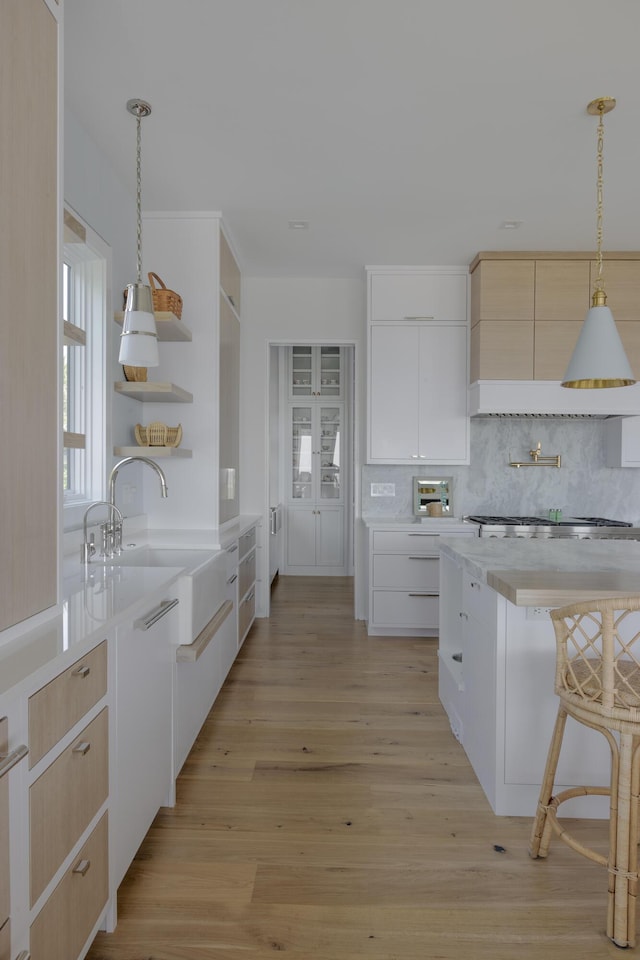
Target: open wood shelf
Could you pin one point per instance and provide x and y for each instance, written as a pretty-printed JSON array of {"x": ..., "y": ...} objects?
[
  {"x": 149, "y": 392},
  {"x": 167, "y": 325},
  {"x": 153, "y": 453}
]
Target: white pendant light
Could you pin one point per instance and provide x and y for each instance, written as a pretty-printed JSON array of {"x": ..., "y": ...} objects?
[
  {"x": 139, "y": 338},
  {"x": 599, "y": 359}
]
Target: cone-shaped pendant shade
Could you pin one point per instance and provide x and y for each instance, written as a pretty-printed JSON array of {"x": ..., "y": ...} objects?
[
  {"x": 599, "y": 359},
  {"x": 139, "y": 339}
]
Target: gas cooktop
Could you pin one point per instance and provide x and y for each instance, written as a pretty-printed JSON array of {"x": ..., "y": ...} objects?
[{"x": 544, "y": 521}]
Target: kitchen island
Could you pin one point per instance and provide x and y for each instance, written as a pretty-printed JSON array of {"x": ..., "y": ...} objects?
[{"x": 497, "y": 658}]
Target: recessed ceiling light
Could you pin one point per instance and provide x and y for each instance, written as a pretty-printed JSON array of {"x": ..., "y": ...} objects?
[
  {"x": 511, "y": 224},
  {"x": 298, "y": 224}
]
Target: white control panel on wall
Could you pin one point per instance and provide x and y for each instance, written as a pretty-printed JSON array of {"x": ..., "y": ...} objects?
[{"x": 383, "y": 489}]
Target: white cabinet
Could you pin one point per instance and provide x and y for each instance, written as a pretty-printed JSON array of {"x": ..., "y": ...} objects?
[
  {"x": 315, "y": 371},
  {"x": 316, "y": 452},
  {"x": 622, "y": 442},
  {"x": 315, "y": 539},
  {"x": 496, "y": 683},
  {"x": 418, "y": 336},
  {"x": 247, "y": 547},
  {"x": 145, "y": 652},
  {"x": 429, "y": 294},
  {"x": 404, "y": 579},
  {"x": 418, "y": 394}
]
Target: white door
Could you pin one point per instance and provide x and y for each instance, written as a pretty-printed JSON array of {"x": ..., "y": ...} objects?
[
  {"x": 330, "y": 536},
  {"x": 394, "y": 392},
  {"x": 301, "y": 536},
  {"x": 444, "y": 425}
]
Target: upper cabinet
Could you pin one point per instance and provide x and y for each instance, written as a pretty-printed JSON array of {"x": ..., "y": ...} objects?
[
  {"x": 527, "y": 310},
  {"x": 31, "y": 332},
  {"x": 417, "y": 366},
  {"x": 315, "y": 372}
]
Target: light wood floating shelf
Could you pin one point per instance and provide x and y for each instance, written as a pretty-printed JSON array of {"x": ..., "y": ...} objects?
[
  {"x": 149, "y": 392},
  {"x": 167, "y": 325},
  {"x": 154, "y": 453}
]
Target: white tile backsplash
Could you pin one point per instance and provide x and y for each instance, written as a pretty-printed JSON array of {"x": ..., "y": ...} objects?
[{"x": 583, "y": 486}]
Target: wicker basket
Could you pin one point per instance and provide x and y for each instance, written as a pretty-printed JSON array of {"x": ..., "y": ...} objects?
[
  {"x": 163, "y": 298},
  {"x": 135, "y": 374},
  {"x": 158, "y": 435}
]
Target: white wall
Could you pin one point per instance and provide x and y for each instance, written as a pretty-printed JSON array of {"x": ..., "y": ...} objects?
[
  {"x": 286, "y": 311},
  {"x": 94, "y": 191}
]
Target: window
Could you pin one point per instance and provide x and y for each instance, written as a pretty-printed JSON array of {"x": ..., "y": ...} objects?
[{"x": 85, "y": 284}]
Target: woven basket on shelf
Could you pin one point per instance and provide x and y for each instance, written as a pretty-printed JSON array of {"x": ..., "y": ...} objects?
[
  {"x": 158, "y": 435},
  {"x": 163, "y": 298}
]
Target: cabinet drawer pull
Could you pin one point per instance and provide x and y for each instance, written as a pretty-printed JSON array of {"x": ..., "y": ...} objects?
[
  {"x": 424, "y": 534},
  {"x": 144, "y": 623},
  {"x": 419, "y": 318},
  {"x": 457, "y": 657},
  {"x": 9, "y": 761},
  {"x": 233, "y": 578},
  {"x": 233, "y": 548},
  {"x": 82, "y": 671},
  {"x": 428, "y": 594},
  {"x": 24, "y": 955},
  {"x": 425, "y": 556},
  {"x": 474, "y": 585},
  {"x": 83, "y": 748},
  {"x": 463, "y": 615},
  {"x": 81, "y": 867}
]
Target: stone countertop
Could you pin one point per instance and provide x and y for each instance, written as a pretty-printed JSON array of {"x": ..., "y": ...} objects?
[
  {"x": 550, "y": 572},
  {"x": 436, "y": 524}
]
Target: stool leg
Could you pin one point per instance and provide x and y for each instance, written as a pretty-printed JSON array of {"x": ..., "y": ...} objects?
[
  {"x": 622, "y": 860},
  {"x": 541, "y": 832}
]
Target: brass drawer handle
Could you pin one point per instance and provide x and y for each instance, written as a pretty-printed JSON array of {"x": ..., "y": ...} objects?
[
  {"x": 83, "y": 748},
  {"x": 81, "y": 867},
  {"x": 82, "y": 671}
]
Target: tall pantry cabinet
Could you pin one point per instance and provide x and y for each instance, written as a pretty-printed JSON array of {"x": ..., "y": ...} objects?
[
  {"x": 315, "y": 467},
  {"x": 30, "y": 200}
]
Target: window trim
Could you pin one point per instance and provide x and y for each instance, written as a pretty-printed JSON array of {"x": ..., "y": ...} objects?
[{"x": 91, "y": 260}]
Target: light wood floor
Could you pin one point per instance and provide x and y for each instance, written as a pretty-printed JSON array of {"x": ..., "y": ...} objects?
[{"x": 327, "y": 812}]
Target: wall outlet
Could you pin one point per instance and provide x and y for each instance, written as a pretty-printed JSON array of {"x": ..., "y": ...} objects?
[
  {"x": 383, "y": 489},
  {"x": 538, "y": 613}
]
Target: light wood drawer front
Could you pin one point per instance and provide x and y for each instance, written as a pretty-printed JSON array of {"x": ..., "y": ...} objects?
[
  {"x": 246, "y": 613},
  {"x": 503, "y": 290},
  {"x": 502, "y": 350},
  {"x": 247, "y": 542},
  {"x": 246, "y": 574},
  {"x": 61, "y": 928},
  {"x": 64, "y": 799},
  {"x": 622, "y": 283},
  {"x": 397, "y": 608},
  {"x": 387, "y": 541},
  {"x": 54, "y": 709},
  {"x": 562, "y": 290},
  {"x": 554, "y": 344},
  {"x": 415, "y": 572}
]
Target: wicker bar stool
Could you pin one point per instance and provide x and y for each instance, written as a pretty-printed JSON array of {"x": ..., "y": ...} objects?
[{"x": 598, "y": 683}]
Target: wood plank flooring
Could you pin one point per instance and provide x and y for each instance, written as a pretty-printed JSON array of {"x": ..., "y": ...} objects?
[{"x": 327, "y": 812}]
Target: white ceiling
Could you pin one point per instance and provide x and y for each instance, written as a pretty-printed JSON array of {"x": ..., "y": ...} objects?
[{"x": 404, "y": 131}]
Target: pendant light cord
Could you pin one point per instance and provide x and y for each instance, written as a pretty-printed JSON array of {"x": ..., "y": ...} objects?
[
  {"x": 598, "y": 286},
  {"x": 139, "y": 195}
]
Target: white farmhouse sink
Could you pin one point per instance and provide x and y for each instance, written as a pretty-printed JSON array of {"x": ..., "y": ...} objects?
[{"x": 202, "y": 586}]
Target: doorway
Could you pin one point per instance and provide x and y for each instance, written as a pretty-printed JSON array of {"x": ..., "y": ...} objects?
[{"x": 311, "y": 459}]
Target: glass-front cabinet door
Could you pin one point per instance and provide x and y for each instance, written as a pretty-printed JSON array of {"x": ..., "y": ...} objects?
[
  {"x": 330, "y": 427},
  {"x": 302, "y": 453},
  {"x": 315, "y": 371},
  {"x": 316, "y": 452}
]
